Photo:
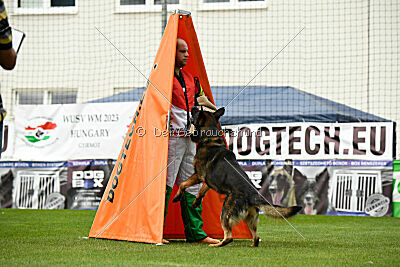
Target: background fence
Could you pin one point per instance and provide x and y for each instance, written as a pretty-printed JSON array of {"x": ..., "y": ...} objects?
[{"x": 78, "y": 51}]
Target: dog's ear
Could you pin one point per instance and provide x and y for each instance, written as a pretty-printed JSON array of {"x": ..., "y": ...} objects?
[
  {"x": 288, "y": 166},
  {"x": 299, "y": 184},
  {"x": 321, "y": 175},
  {"x": 201, "y": 110},
  {"x": 266, "y": 171},
  {"x": 322, "y": 178},
  {"x": 194, "y": 111},
  {"x": 219, "y": 113},
  {"x": 269, "y": 166}
]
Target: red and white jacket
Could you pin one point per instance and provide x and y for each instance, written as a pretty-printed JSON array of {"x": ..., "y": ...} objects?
[{"x": 178, "y": 108}]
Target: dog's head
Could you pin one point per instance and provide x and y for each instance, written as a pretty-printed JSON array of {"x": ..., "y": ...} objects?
[
  {"x": 279, "y": 185},
  {"x": 277, "y": 181},
  {"x": 310, "y": 197},
  {"x": 205, "y": 123},
  {"x": 312, "y": 191}
]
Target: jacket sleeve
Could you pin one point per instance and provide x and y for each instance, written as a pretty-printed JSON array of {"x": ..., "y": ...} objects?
[{"x": 5, "y": 29}]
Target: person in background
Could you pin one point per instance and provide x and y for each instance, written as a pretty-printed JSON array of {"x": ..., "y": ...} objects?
[{"x": 8, "y": 58}]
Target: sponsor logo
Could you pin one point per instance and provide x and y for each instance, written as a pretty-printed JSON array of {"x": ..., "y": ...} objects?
[
  {"x": 377, "y": 205},
  {"x": 87, "y": 179},
  {"x": 55, "y": 201},
  {"x": 40, "y": 132}
]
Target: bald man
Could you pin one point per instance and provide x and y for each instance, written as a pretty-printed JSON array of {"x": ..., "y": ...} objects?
[{"x": 181, "y": 149}]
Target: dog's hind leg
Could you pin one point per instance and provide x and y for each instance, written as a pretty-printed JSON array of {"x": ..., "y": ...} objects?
[
  {"x": 229, "y": 218},
  {"x": 192, "y": 180},
  {"x": 252, "y": 221},
  {"x": 203, "y": 190},
  {"x": 227, "y": 236}
]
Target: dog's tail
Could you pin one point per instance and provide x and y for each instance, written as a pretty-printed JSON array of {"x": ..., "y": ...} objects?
[{"x": 277, "y": 211}]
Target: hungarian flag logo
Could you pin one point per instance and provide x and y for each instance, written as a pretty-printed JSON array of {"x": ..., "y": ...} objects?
[{"x": 39, "y": 133}]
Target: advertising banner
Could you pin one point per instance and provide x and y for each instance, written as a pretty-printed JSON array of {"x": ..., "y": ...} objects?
[
  {"x": 314, "y": 141},
  {"x": 330, "y": 187},
  {"x": 341, "y": 187},
  {"x": 87, "y": 180},
  {"x": 396, "y": 188},
  {"x": 72, "y": 131},
  {"x": 33, "y": 185},
  {"x": 53, "y": 185}
]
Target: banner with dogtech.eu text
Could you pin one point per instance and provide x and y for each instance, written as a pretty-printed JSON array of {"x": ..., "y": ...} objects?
[
  {"x": 299, "y": 141},
  {"x": 73, "y": 131}
]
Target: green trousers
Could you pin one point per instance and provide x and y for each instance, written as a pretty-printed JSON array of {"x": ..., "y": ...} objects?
[{"x": 192, "y": 220}]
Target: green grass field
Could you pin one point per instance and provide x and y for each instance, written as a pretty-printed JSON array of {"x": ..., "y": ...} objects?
[{"x": 54, "y": 237}]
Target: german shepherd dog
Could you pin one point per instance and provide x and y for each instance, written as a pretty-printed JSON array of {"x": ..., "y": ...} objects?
[
  {"x": 277, "y": 184},
  {"x": 215, "y": 165}
]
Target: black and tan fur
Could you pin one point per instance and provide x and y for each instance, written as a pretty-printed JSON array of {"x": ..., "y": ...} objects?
[{"x": 217, "y": 166}]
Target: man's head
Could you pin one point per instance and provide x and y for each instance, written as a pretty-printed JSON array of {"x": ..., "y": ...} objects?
[{"x": 182, "y": 54}]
